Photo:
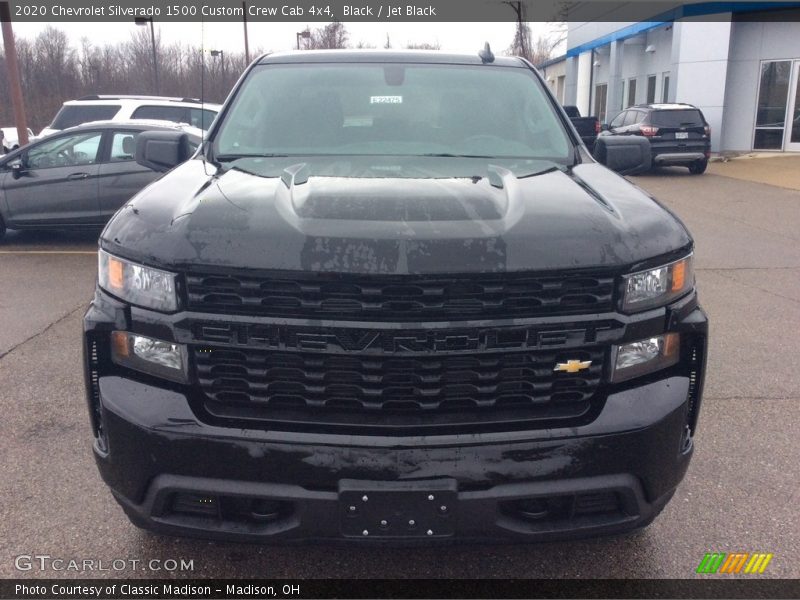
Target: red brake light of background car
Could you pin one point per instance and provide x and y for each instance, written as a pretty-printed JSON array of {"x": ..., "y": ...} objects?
[{"x": 648, "y": 130}]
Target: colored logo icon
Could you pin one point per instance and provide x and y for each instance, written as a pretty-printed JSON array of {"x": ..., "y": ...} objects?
[{"x": 736, "y": 562}]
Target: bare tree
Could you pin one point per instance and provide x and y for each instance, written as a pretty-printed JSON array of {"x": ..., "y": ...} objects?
[
  {"x": 53, "y": 71},
  {"x": 140, "y": 52},
  {"x": 388, "y": 44},
  {"x": 333, "y": 35},
  {"x": 558, "y": 34},
  {"x": 521, "y": 46},
  {"x": 539, "y": 50},
  {"x": 424, "y": 46}
]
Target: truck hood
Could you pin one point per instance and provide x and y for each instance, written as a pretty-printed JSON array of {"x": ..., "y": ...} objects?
[{"x": 199, "y": 215}]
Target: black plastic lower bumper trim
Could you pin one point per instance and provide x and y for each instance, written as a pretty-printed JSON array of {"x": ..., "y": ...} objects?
[{"x": 473, "y": 515}]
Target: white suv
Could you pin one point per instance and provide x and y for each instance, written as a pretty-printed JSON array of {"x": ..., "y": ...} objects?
[{"x": 124, "y": 108}]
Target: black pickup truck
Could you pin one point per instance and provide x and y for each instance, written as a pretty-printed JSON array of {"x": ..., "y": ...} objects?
[
  {"x": 587, "y": 127},
  {"x": 381, "y": 304}
]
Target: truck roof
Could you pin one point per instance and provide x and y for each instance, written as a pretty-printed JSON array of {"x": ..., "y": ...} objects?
[{"x": 383, "y": 56}]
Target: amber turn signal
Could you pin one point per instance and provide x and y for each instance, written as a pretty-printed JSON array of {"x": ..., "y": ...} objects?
[
  {"x": 119, "y": 344},
  {"x": 116, "y": 274},
  {"x": 678, "y": 276}
]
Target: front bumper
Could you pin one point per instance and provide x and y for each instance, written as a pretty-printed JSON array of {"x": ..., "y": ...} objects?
[
  {"x": 609, "y": 475},
  {"x": 636, "y": 450}
]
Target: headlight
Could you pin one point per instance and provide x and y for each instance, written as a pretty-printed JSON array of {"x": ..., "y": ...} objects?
[
  {"x": 657, "y": 287},
  {"x": 137, "y": 284},
  {"x": 149, "y": 355},
  {"x": 644, "y": 356}
]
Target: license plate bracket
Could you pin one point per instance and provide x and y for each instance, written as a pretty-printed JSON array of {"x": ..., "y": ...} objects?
[{"x": 398, "y": 509}]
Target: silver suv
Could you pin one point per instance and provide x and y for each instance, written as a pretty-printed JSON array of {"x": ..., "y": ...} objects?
[{"x": 125, "y": 108}]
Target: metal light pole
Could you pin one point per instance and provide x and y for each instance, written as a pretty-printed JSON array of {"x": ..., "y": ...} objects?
[
  {"x": 143, "y": 21},
  {"x": 302, "y": 34}
]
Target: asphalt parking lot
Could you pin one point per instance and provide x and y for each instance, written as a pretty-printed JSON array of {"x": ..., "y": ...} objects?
[{"x": 741, "y": 492}]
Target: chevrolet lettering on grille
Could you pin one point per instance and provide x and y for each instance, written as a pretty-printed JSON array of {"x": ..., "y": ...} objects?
[{"x": 284, "y": 337}]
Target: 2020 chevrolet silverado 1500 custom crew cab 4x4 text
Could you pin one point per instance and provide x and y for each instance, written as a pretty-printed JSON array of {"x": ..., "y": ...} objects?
[{"x": 393, "y": 297}]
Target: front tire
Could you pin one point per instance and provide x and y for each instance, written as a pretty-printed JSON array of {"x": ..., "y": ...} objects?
[
  {"x": 698, "y": 167},
  {"x": 2, "y": 228}
]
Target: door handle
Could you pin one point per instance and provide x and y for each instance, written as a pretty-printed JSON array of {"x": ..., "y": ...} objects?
[{"x": 76, "y": 176}]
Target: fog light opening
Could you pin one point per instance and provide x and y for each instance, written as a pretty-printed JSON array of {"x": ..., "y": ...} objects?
[
  {"x": 265, "y": 509},
  {"x": 532, "y": 508}
]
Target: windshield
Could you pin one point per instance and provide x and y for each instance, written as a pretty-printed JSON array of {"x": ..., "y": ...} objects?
[{"x": 400, "y": 110}]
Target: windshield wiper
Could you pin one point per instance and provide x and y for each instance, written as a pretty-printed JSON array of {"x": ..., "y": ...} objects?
[
  {"x": 542, "y": 172},
  {"x": 232, "y": 157},
  {"x": 448, "y": 155}
]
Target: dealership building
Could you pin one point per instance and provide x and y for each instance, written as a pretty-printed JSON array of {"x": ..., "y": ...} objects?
[{"x": 741, "y": 68}]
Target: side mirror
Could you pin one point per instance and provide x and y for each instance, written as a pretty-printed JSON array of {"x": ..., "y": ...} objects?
[
  {"x": 162, "y": 150},
  {"x": 626, "y": 155},
  {"x": 17, "y": 168}
]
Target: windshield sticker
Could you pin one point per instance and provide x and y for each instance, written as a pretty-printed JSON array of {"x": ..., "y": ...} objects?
[{"x": 385, "y": 99}]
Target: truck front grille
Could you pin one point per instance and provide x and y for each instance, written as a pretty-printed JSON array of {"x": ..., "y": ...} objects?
[
  {"x": 400, "y": 297},
  {"x": 315, "y": 387}
]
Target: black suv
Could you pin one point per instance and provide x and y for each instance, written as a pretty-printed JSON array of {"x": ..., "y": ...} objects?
[
  {"x": 393, "y": 297},
  {"x": 679, "y": 134}
]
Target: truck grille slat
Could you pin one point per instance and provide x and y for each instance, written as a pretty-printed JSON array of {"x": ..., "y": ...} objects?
[
  {"x": 317, "y": 382},
  {"x": 394, "y": 297}
]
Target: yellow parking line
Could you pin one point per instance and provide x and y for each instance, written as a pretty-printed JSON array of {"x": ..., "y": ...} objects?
[{"x": 48, "y": 252}]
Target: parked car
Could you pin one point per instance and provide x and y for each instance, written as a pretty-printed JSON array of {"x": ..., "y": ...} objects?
[
  {"x": 587, "y": 127},
  {"x": 393, "y": 298},
  {"x": 78, "y": 177},
  {"x": 679, "y": 134},
  {"x": 126, "y": 108},
  {"x": 11, "y": 138}
]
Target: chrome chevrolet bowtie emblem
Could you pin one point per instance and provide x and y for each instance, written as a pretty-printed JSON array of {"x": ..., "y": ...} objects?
[{"x": 573, "y": 366}]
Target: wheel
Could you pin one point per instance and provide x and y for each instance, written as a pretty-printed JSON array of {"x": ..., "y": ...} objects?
[
  {"x": 698, "y": 167},
  {"x": 2, "y": 229}
]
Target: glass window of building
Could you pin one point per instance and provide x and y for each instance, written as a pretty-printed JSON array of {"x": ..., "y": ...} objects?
[
  {"x": 631, "y": 92},
  {"x": 651, "y": 89},
  {"x": 773, "y": 93}
]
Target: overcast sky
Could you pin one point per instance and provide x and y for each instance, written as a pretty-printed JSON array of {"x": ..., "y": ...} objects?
[{"x": 456, "y": 37}]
